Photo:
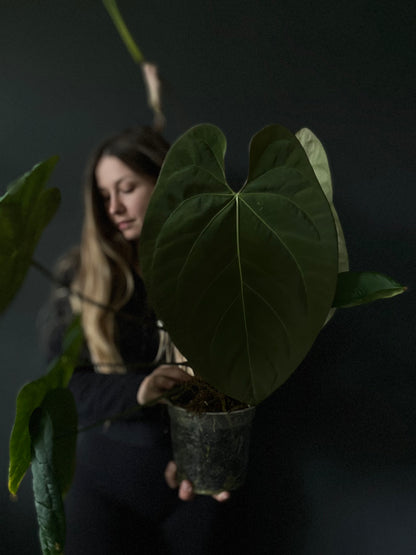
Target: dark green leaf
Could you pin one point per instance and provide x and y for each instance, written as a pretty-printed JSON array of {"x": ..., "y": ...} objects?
[
  {"x": 53, "y": 433},
  {"x": 32, "y": 395},
  {"x": 25, "y": 210},
  {"x": 355, "y": 288},
  {"x": 243, "y": 281},
  {"x": 319, "y": 162},
  {"x": 60, "y": 405},
  {"x": 318, "y": 159}
]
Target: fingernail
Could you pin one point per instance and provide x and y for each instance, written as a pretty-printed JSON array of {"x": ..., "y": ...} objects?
[
  {"x": 187, "y": 486},
  {"x": 223, "y": 496}
]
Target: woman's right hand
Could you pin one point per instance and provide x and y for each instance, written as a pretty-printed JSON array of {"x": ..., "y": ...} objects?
[
  {"x": 185, "y": 489},
  {"x": 161, "y": 380}
]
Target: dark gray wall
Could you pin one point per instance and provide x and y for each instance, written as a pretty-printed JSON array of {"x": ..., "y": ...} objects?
[{"x": 333, "y": 460}]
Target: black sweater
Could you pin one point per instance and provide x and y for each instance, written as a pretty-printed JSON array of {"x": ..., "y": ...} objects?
[{"x": 102, "y": 396}]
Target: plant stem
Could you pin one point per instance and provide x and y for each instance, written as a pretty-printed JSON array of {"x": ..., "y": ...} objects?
[
  {"x": 143, "y": 366},
  {"x": 132, "y": 410},
  {"x": 149, "y": 71},
  {"x": 50, "y": 276},
  {"x": 126, "y": 37}
]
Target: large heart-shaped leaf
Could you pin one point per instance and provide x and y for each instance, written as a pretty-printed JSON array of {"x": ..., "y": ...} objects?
[
  {"x": 31, "y": 396},
  {"x": 25, "y": 210},
  {"x": 243, "y": 281},
  {"x": 53, "y": 429}
]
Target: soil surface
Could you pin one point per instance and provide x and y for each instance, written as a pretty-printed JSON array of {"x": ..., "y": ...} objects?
[{"x": 198, "y": 396}]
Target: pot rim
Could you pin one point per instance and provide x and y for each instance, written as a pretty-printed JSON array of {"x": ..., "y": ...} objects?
[{"x": 182, "y": 409}]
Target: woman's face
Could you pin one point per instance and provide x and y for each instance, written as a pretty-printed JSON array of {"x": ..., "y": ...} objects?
[{"x": 126, "y": 195}]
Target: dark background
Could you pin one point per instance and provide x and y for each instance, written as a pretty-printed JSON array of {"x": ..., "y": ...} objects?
[{"x": 333, "y": 465}]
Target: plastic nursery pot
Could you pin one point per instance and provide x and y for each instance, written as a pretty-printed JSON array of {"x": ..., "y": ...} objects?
[{"x": 211, "y": 449}]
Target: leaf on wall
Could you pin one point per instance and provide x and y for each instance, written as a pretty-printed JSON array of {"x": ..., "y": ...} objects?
[
  {"x": 243, "y": 281},
  {"x": 25, "y": 210}
]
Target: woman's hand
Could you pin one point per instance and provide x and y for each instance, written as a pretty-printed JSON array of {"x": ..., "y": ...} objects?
[
  {"x": 162, "y": 379},
  {"x": 185, "y": 491}
]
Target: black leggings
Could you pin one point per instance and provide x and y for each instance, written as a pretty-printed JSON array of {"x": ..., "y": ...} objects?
[{"x": 119, "y": 503}]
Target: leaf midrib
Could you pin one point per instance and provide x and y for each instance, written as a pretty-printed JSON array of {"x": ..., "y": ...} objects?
[{"x": 243, "y": 304}]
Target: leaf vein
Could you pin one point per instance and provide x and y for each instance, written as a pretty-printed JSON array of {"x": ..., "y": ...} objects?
[
  {"x": 292, "y": 202},
  {"x": 250, "y": 364},
  {"x": 275, "y": 234},
  {"x": 272, "y": 310},
  {"x": 201, "y": 233},
  {"x": 214, "y": 335}
]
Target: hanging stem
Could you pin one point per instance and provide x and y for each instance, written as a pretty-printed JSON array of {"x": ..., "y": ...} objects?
[
  {"x": 126, "y": 37},
  {"x": 149, "y": 71}
]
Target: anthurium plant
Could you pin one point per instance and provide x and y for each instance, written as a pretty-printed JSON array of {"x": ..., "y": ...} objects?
[{"x": 244, "y": 282}]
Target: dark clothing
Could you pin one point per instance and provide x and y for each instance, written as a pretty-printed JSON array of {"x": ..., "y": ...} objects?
[
  {"x": 119, "y": 502},
  {"x": 103, "y": 396}
]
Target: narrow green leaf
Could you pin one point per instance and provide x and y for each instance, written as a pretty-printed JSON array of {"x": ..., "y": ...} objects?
[
  {"x": 31, "y": 397},
  {"x": 356, "y": 288},
  {"x": 25, "y": 210},
  {"x": 52, "y": 430},
  {"x": 246, "y": 319}
]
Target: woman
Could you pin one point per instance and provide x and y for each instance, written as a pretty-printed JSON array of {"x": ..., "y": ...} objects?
[{"x": 119, "y": 501}]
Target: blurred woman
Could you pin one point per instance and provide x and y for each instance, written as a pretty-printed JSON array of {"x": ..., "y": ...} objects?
[{"x": 120, "y": 501}]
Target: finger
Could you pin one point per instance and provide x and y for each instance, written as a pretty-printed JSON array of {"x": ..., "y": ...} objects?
[
  {"x": 170, "y": 475},
  {"x": 162, "y": 383},
  {"x": 153, "y": 387},
  {"x": 221, "y": 497},
  {"x": 162, "y": 379},
  {"x": 185, "y": 491},
  {"x": 172, "y": 372}
]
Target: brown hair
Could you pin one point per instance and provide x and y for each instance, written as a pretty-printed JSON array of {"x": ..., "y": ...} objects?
[{"x": 107, "y": 259}]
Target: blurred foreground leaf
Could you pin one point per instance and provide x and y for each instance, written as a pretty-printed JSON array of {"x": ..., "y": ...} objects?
[
  {"x": 53, "y": 428},
  {"x": 31, "y": 396},
  {"x": 25, "y": 210}
]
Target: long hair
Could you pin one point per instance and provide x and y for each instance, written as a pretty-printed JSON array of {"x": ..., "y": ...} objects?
[{"x": 107, "y": 259}]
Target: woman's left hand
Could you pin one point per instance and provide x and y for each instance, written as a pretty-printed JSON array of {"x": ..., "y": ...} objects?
[
  {"x": 161, "y": 380},
  {"x": 185, "y": 491}
]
